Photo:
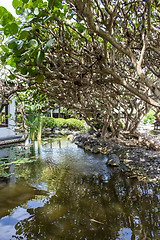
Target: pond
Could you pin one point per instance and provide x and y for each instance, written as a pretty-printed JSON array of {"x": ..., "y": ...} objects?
[{"x": 63, "y": 192}]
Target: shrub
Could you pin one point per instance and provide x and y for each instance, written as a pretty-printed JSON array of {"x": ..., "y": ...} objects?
[
  {"x": 60, "y": 123},
  {"x": 49, "y": 122},
  {"x": 75, "y": 124},
  {"x": 71, "y": 123}
]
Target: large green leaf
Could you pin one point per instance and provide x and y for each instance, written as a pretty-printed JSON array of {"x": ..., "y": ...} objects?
[
  {"x": 40, "y": 79},
  {"x": 4, "y": 48},
  {"x": 23, "y": 35},
  {"x": 7, "y": 18},
  {"x": 24, "y": 71},
  {"x": 40, "y": 57},
  {"x": 11, "y": 29},
  {"x": 17, "y": 3},
  {"x": 12, "y": 76},
  {"x": 3, "y": 11},
  {"x": 11, "y": 62},
  {"x": 12, "y": 45}
]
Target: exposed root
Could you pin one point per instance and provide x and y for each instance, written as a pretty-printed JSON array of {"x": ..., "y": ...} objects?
[{"x": 137, "y": 140}]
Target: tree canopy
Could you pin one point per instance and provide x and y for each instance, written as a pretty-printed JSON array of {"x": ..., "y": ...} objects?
[{"x": 99, "y": 57}]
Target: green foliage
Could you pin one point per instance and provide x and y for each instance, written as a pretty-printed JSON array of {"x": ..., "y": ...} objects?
[
  {"x": 60, "y": 123},
  {"x": 74, "y": 124},
  {"x": 49, "y": 122},
  {"x": 71, "y": 123},
  {"x": 19, "y": 118},
  {"x": 149, "y": 118}
]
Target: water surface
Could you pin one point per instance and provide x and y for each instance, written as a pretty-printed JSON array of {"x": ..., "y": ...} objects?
[{"x": 70, "y": 194}]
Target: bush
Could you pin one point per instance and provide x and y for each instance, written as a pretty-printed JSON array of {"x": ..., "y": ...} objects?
[
  {"x": 75, "y": 124},
  {"x": 71, "y": 123},
  {"x": 60, "y": 123},
  {"x": 49, "y": 122}
]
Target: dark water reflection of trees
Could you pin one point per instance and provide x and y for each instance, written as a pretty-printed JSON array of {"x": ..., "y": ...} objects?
[
  {"x": 119, "y": 205},
  {"x": 76, "y": 205}
]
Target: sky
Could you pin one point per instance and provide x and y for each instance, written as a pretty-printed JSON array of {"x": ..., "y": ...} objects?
[{"x": 8, "y": 5}]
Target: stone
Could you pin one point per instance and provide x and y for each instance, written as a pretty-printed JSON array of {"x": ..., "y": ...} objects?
[
  {"x": 63, "y": 132},
  {"x": 71, "y": 137},
  {"x": 96, "y": 149},
  {"x": 87, "y": 148},
  {"x": 56, "y": 129},
  {"x": 113, "y": 160},
  {"x": 48, "y": 129},
  {"x": 91, "y": 132}
]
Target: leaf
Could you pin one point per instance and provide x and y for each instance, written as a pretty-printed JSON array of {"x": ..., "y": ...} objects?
[
  {"x": 7, "y": 18},
  {"x": 25, "y": 1},
  {"x": 50, "y": 3},
  {"x": 23, "y": 34},
  {"x": 19, "y": 44},
  {"x": 11, "y": 62},
  {"x": 36, "y": 11},
  {"x": 33, "y": 43},
  {"x": 12, "y": 45},
  {"x": 80, "y": 28},
  {"x": 58, "y": 3},
  {"x": 17, "y": 3},
  {"x": 5, "y": 49},
  {"x": 11, "y": 29},
  {"x": 12, "y": 77},
  {"x": 24, "y": 71},
  {"x": 3, "y": 11},
  {"x": 40, "y": 79},
  {"x": 49, "y": 43},
  {"x": 10, "y": 40},
  {"x": 32, "y": 72},
  {"x": 40, "y": 57}
]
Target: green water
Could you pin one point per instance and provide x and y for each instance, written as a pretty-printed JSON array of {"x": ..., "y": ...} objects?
[{"x": 70, "y": 194}]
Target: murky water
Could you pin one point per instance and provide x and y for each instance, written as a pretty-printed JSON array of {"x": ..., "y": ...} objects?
[{"x": 70, "y": 194}]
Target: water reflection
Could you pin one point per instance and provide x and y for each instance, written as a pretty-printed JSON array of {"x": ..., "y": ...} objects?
[{"x": 70, "y": 194}]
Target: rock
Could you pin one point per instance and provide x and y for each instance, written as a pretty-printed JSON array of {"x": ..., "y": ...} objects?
[
  {"x": 80, "y": 144},
  {"x": 113, "y": 160},
  {"x": 71, "y": 137},
  {"x": 96, "y": 149},
  {"x": 63, "y": 132},
  {"x": 56, "y": 128},
  {"x": 87, "y": 148},
  {"x": 48, "y": 130},
  {"x": 133, "y": 158},
  {"x": 91, "y": 132}
]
